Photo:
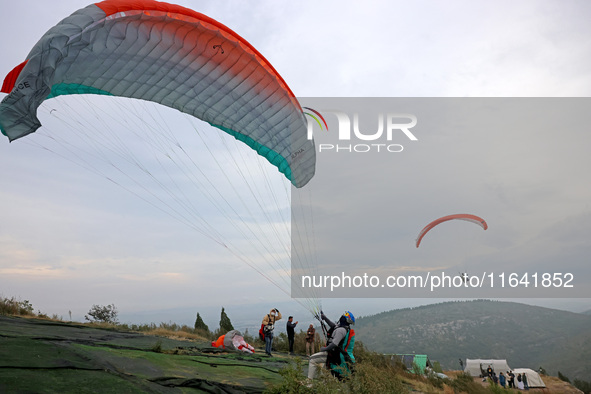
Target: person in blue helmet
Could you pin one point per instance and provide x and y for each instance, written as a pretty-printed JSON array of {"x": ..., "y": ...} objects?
[{"x": 337, "y": 355}]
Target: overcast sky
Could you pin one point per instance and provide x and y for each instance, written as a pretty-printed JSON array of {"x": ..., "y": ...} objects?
[{"x": 70, "y": 238}]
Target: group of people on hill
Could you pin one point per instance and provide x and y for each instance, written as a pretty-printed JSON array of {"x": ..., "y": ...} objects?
[
  {"x": 336, "y": 356},
  {"x": 310, "y": 336},
  {"x": 509, "y": 380},
  {"x": 268, "y": 326}
]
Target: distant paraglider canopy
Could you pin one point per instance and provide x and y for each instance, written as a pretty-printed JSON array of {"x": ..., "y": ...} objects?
[
  {"x": 462, "y": 216},
  {"x": 124, "y": 62}
]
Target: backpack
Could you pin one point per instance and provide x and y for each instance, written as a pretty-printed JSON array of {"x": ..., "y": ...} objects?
[
  {"x": 262, "y": 333},
  {"x": 340, "y": 360}
]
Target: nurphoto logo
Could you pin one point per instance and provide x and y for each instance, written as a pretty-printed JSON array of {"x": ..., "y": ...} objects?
[{"x": 365, "y": 133}]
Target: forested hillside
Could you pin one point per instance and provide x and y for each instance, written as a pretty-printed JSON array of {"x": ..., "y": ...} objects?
[{"x": 525, "y": 335}]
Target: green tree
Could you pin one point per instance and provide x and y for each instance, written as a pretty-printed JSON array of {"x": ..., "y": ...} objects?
[
  {"x": 225, "y": 323},
  {"x": 200, "y": 324},
  {"x": 582, "y": 385},
  {"x": 99, "y": 313},
  {"x": 563, "y": 378},
  {"x": 437, "y": 367}
]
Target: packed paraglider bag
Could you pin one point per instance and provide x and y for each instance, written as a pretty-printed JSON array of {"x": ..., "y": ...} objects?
[{"x": 233, "y": 340}]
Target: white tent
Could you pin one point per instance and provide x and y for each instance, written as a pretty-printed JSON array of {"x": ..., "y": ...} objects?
[
  {"x": 533, "y": 378},
  {"x": 474, "y": 367}
]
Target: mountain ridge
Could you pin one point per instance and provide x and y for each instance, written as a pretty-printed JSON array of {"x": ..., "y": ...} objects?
[{"x": 527, "y": 336}]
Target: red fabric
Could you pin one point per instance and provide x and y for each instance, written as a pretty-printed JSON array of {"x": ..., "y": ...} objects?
[
  {"x": 111, "y": 7},
  {"x": 11, "y": 78},
  {"x": 219, "y": 342},
  {"x": 351, "y": 334}
]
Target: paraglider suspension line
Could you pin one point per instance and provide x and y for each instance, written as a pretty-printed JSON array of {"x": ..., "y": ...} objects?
[{"x": 324, "y": 331}]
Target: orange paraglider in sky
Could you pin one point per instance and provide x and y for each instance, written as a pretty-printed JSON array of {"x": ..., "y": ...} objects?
[{"x": 461, "y": 216}]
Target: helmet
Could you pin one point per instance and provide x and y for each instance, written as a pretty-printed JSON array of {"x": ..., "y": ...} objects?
[{"x": 349, "y": 317}]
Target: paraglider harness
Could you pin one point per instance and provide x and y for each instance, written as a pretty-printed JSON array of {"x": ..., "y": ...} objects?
[
  {"x": 266, "y": 328},
  {"x": 262, "y": 332},
  {"x": 341, "y": 367}
]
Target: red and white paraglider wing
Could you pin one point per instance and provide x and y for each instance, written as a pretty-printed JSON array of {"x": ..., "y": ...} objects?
[
  {"x": 171, "y": 55},
  {"x": 462, "y": 216}
]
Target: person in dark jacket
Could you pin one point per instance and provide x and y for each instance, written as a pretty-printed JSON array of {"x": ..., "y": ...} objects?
[{"x": 290, "y": 327}]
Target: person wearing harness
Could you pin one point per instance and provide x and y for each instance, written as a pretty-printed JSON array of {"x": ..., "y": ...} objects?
[
  {"x": 337, "y": 355},
  {"x": 268, "y": 327}
]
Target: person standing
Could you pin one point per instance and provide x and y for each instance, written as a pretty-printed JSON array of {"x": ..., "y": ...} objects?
[
  {"x": 502, "y": 379},
  {"x": 310, "y": 338},
  {"x": 519, "y": 382},
  {"x": 511, "y": 378},
  {"x": 291, "y": 332},
  {"x": 269, "y": 326}
]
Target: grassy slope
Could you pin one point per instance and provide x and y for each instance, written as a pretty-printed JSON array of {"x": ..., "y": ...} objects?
[
  {"x": 55, "y": 357},
  {"x": 44, "y": 356}
]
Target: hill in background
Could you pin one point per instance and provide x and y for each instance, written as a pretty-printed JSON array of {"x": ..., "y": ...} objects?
[{"x": 526, "y": 336}]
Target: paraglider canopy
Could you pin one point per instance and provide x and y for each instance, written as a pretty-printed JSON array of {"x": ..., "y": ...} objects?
[
  {"x": 233, "y": 340},
  {"x": 170, "y": 55},
  {"x": 462, "y": 216},
  {"x": 123, "y": 53}
]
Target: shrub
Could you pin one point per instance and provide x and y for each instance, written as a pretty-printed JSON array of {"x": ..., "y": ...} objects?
[
  {"x": 563, "y": 378},
  {"x": 204, "y": 334},
  {"x": 583, "y": 385},
  {"x": 104, "y": 314},
  {"x": 370, "y": 378},
  {"x": 465, "y": 383},
  {"x": 437, "y": 367},
  {"x": 374, "y": 373},
  {"x": 293, "y": 380},
  {"x": 280, "y": 342},
  {"x": 157, "y": 348},
  {"x": 10, "y": 306},
  {"x": 496, "y": 389},
  {"x": 435, "y": 381},
  {"x": 247, "y": 337}
]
